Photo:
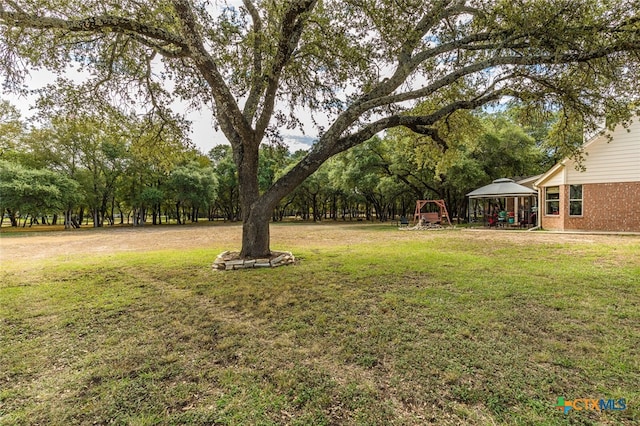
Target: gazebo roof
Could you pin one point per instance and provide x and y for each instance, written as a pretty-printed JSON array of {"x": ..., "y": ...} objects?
[{"x": 502, "y": 188}]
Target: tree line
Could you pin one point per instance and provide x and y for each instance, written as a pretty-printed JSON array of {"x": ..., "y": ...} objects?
[
  {"x": 106, "y": 168},
  {"x": 363, "y": 65}
]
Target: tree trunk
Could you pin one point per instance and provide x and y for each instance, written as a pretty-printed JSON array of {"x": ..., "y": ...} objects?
[
  {"x": 314, "y": 206},
  {"x": 255, "y": 214},
  {"x": 178, "y": 213},
  {"x": 109, "y": 211},
  {"x": 255, "y": 236}
]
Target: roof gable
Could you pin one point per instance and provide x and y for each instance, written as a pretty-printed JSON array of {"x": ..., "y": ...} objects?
[{"x": 608, "y": 157}]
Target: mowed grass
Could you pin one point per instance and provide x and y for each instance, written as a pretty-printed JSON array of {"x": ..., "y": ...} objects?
[{"x": 375, "y": 327}]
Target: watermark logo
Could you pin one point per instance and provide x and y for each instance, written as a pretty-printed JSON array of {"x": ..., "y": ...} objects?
[
  {"x": 564, "y": 405},
  {"x": 588, "y": 404}
]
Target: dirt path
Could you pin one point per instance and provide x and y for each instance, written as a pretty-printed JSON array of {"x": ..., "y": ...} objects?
[
  {"x": 43, "y": 245},
  {"x": 47, "y": 245}
]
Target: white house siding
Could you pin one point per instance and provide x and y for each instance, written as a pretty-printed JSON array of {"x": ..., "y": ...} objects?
[
  {"x": 608, "y": 160},
  {"x": 557, "y": 178}
]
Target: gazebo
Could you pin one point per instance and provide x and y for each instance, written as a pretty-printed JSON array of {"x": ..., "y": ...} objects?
[{"x": 519, "y": 207}]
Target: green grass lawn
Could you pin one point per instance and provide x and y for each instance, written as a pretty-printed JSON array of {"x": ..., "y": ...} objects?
[{"x": 381, "y": 327}]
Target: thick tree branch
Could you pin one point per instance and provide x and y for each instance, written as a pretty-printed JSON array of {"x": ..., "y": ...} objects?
[
  {"x": 257, "y": 84},
  {"x": 293, "y": 23},
  {"x": 231, "y": 118},
  {"x": 162, "y": 48},
  {"x": 431, "y": 132},
  {"x": 406, "y": 63},
  {"x": 324, "y": 149},
  {"x": 410, "y": 121},
  {"x": 96, "y": 24},
  {"x": 437, "y": 12},
  {"x": 463, "y": 43},
  {"x": 359, "y": 107}
]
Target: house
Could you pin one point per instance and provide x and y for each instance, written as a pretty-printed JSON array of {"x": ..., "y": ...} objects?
[{"x": 605, "y": 195}]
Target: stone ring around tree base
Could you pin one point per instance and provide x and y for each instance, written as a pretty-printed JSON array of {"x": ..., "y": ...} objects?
[{"x": 230, "y": 260}]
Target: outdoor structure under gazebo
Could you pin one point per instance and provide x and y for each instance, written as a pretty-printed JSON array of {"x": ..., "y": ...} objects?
[{"x": 505, "y": 202}]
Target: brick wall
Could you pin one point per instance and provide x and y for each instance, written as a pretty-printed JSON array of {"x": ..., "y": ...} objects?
[
  {"x": 605, "y": 207},
  {"x": 552, "y": 223}
]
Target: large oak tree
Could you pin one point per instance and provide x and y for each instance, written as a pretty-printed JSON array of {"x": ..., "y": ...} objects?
[{"x": 361, "y": 63}]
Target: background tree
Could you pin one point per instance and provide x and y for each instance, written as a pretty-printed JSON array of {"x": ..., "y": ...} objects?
[
  {"x": 329, "y": 56},
  {"x": 154, "y": 150},
  {"x": 87, "y": 148},
  {"x": 192, "y": 187},
  {"x": 34, "y": 192},
  {"x": 312, "y": 195},
  {"x": 120, "y": 162},
  {"x": 11, "y": 129},
  {"x": 364, "y": 170},
  {"x": 228, "y": 199}
]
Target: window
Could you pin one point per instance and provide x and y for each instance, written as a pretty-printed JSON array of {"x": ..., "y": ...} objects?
[
  {"x": 552, "y": 200},
  {"x": 575, "y": 200}
]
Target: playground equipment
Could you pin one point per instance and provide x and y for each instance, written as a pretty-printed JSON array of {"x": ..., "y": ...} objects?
[{"x": 431, "y": 217}]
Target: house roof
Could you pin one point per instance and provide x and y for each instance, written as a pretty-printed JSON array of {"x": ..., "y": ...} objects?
[
  {"x": 527, "y": 181},
  {"x": 502, "y": 188}
]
